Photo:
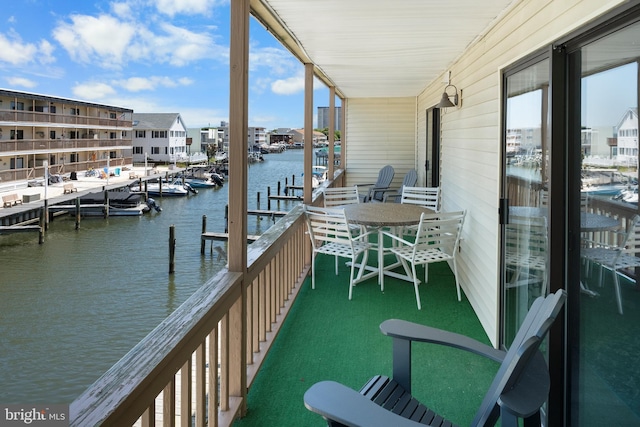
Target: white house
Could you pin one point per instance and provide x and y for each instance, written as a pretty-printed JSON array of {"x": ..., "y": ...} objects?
[
  {"x": 161, "y": 136},
  {"x": 628, "y": 136}
]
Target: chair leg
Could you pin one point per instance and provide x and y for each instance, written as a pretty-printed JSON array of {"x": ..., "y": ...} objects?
[
  {"x": 351, "y": 280},
  {"x": 455, "y": 275},
  {"x": 363, "y": 264},
  {"x": 616, "y": 283},
  {"x": 415, "y": 285},
  {"x": 313, "y": 271},
  {"x": 336, "y": 257}
]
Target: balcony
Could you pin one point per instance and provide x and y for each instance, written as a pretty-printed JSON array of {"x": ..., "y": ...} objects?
[
  {"x": 21, "y": 116},
  {"x": 320, "y": 335},
  {"x": 49, "y": 145}
]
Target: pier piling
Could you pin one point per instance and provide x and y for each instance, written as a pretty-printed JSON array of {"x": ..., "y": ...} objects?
[
  {"x": 204, "y": 230},
  {"x": 42, "y": 221},
  {"x": 77, "y": 213},
  {"x": 172, "y": 248}
]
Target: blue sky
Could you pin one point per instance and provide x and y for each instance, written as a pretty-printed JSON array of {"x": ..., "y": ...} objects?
[{"x": 164, "y": 56}]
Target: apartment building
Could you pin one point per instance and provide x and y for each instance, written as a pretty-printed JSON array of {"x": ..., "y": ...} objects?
[
  {"x": 69, "y": 135},
  {"x": 324, "y": 115}
]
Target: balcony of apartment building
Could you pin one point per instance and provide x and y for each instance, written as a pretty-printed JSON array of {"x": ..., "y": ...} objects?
[
  {"x": 26, "y": 140},
  {"x": 72, "y": 117}
]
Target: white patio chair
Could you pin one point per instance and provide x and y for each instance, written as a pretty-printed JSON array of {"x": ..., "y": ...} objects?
[
  {"x": 330, "y": 234},
  {"x": 526, "y": 251},
  {"x": 617, "y": 257},
  {"x": 338, "y": 196},
  {"x": 437, "y": 239},
  {"x": 429, "y": 197}
]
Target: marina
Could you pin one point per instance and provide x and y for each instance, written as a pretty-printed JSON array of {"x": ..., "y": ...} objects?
[{"x": 74, "y": 305}]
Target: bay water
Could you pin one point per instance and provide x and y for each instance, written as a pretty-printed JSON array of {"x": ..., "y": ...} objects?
[{"x": 72, "y": 307}]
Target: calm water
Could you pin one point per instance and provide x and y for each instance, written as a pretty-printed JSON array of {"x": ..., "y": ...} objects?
[{"x": 72, "y": 307}]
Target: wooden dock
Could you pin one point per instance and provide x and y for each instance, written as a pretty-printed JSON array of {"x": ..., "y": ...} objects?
[
  {"x": 10, "y": 229},
  {"x": 211, "y": 235},
  {"x": 279, "y": 197},
  {"x": 260, "y": 212}
]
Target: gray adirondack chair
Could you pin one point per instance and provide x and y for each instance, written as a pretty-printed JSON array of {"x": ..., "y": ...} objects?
[
  {"x": 519, "y": 389},
  {"x": 410, "y": 179},
  {"x": 376, "y": 190}
]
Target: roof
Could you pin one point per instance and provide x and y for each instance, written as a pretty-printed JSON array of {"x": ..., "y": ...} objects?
[
  {"x": 379, "y": 48},
  {"x": 49, "y": 98},
  {"x": 154, "y": 120}
]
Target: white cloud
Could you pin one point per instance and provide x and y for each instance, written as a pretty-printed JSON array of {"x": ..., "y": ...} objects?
[
  {"x": 278, "y": 61},
  {"x": 46, "y": 52},
  {"x": 93, "y": 91},
  {"x": 179, "y": 46},
  {"x": 293, "y": 85},
  {"x": 288, "y": 86},
  {"x": 21, "y": 81},
  {"x": 187, "y": 7},
  {"x": 110, "y": 42},
  {"x": 137, "y": 84},
  {"x": 121, "y": 9},
  {"x": 101, "y": 38},
  {"x": 16, "y": 52}
]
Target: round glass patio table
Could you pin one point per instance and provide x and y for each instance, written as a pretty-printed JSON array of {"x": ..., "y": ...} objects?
[{"x": 380, "y": 215}]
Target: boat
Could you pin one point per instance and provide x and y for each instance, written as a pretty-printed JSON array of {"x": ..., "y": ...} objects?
[
  {"x": 319, "y": 175},
  {"x": 203, "y": 177},
  {"x": 121, "y": 203},
  {"x": 175, "y": 188},
  {"x": 221, "y": 156},
  {"x": 255, "y": 156},
  {"x": 628, "y": 195},
  {"x": 200, "y": 182}
]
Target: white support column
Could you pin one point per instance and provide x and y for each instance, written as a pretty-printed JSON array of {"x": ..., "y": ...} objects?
[
  {"x": 332, "y": 130},
  {"x": 308, "y": 132},
  {"x": 237, "y": 251}
]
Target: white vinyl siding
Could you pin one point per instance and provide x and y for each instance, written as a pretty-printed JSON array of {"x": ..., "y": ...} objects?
[
  {"x": 381, "y": 131},
  {"x": 470, "y": 135}
]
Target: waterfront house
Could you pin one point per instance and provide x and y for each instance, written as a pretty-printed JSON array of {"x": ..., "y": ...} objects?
[
  {"x": 162, "y": 137},
  {"x": 627, "y": 137},
  {"x": 435, "y": 87},
  {"x": 317, "y": 137},
  {"x": 69, "y": 135}
]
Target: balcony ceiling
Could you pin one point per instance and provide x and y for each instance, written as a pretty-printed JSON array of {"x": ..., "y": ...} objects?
[{"x": 378, "y": 48}]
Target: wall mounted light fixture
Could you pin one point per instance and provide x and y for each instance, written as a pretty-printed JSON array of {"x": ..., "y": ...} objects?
[{"x": 449, "y": 100}]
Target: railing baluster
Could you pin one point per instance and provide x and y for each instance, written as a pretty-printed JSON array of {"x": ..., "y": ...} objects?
[
  {"x": 149, "y": 416},
  {"x": 201, "y": 377},
  {"x": 185, "y": 394},
  {"x": 224, "y": 363},
  {"x": 169, "y": 404},
  {"x": 214, "y": 379}
]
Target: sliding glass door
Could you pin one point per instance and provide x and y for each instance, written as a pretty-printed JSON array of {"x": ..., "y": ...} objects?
[
  {"x": 526, "y": 183},
  {"x": 608, "y": 342}
]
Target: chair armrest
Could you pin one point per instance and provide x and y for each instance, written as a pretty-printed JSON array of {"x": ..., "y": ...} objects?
[
  {"x": 401, "y": 329},
  {"x": 337, "y": 402},
  {"x": 399, "y": 239},
  {"x": 392, "y": 193},
  {"x": 530, "y": 392},
  {"x": 362, "y": 235}
]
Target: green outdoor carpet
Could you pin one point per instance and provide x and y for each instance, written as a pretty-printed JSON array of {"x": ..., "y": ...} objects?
[{"x": 326, "y": 336}]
